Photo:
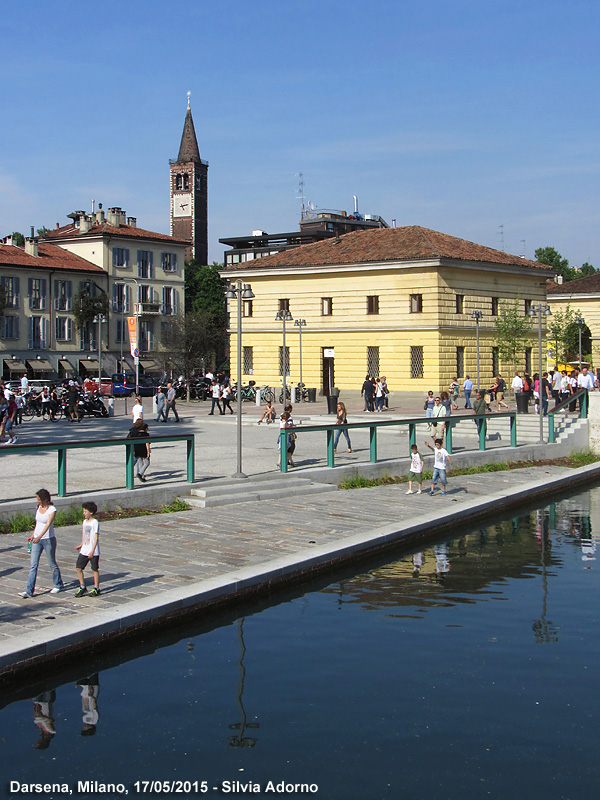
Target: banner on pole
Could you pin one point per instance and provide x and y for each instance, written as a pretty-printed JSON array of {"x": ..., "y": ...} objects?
[{"x": 132, "y": 327}]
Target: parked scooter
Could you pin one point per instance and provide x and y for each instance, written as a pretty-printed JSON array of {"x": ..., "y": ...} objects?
[{"x": 92, "y": 405}]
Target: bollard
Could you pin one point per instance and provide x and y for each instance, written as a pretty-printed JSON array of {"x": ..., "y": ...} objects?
[
  {"x": 154, "y": 407},
  {"x": 111, "y": 406},
  {"x": 293, "y": 395},
  {"x": 257, "y": 395}
]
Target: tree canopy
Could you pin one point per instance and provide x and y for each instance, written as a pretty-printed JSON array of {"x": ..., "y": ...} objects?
[
  {"x": 551, "y": 257},
  {"x": 512, "y": 329}
]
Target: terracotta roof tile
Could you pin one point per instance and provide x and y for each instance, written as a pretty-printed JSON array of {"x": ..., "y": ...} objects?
[
  {"x": 49, "y": 257},
  {"x": 387, "y": 244},
  {"x": 589, "y": 285},
  {"x": 70, "y": 231}
]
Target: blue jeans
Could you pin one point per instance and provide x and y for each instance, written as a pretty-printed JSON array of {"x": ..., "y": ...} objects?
[
  {"x": 337, "y": 435},
  {"x": 468, "y": 398},
  {"x": 49, "y": 545}
]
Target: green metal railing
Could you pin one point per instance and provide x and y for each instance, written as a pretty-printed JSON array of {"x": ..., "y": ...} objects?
[
  {"x": 450, "y": 423},
  {"x": 61, "y": 449},
  {"x": 580, "y": 395}
]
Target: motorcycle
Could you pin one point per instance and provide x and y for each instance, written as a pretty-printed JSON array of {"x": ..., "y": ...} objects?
[{"x": 92, "y": 405}]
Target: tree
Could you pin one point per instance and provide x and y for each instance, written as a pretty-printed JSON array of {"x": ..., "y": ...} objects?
[
  {"x": 512, "y": 329},
  {"x": 587, "y": 269},
  {"x": 191, "y": 342},
  {"x": 205, "y": 297},
  {"x": 43, "y": 231},
  {"x": 560, "y": 333},
  {"x": 86, "y": 306},
  {"x": 18, "y": 239}
]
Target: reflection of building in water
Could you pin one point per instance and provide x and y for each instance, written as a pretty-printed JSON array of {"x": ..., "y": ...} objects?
[
  {"x": 240, "y": 739},
  {"x": 43, "y": 717},
  {"x": 458, "y": 570},
  {"x": 90, "y": 688}
]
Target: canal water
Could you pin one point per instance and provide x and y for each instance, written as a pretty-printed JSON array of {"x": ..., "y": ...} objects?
[{"x": 467, "y": 670}]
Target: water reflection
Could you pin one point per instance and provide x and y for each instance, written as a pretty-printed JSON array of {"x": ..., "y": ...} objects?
[{"x": 453, "y": 656}]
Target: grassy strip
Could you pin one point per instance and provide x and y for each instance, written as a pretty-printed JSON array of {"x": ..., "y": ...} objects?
[
  {"x": 23, "y": 523},
  {"x": 580, "y": 459}
]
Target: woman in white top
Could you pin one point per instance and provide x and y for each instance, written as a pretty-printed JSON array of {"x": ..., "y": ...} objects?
[{"x": 43, "y": 538}]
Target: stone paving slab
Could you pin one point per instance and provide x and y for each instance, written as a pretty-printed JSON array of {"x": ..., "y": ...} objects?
[{"x": 150, "y": 565}]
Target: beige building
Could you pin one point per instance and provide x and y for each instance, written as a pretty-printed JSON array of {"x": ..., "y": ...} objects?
[
  {"x": 397, "y": 302},
  {"x": 37, "y": 329},
  {"x": 583, "y": 296},
  {"x": 145, "y": 276}
]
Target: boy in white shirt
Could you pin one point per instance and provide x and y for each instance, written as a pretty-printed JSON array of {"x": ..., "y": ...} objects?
[
  {"x": 416, "y": 469},
  {"x": 439, "y": 465},
  {"x": 89, "y": 549}
]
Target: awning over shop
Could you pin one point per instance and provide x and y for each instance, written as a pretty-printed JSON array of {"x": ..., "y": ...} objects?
[
  {"x": 148, "y": 363},
  {"x": 40, "y": 365},
  {"x": 15, "y": 365},
  {"x": 65, "y": 364},
  {"x": 89, "y": 363}
]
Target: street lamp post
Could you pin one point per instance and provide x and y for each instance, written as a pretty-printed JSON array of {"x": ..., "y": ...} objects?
[
  {"x": 136, "y": 314},
  {"x": 538, "y": 311},
  {"x": 580, "y": 322},
  {"x": 301, "y": 324},
  {"x": 99, "y": 318},
  {"x": 477, "y": 315},
  {"x": 242, "y": 291},
  {"x": 284, "y": 316}
]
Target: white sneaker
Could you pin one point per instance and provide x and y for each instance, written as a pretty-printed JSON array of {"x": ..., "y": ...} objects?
[
  {"x": 24, "y": 594},
  {"x": 13, "y": 440},
  {"x": 419, "y": 492},
  {"x": 55, "y": 590},
  {"x": 410, "y": 491}
]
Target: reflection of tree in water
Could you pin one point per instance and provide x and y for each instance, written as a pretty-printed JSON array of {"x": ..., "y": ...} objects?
[
  {"x": 544, "y": 629},
  {"x": 459, "y": 570},
  {"x": 241, "y": 740}
]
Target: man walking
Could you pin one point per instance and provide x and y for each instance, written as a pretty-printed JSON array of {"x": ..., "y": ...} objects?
[
  {"x": 171, "y": 405},
  {"x": 467, "y": 389}
]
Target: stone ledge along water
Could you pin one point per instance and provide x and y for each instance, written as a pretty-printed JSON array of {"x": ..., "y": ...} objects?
[{"x": 158, "y": 569}]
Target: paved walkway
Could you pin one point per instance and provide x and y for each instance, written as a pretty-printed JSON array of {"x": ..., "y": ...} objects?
[
  {"x": 151, "y": 565},
  {"x": 104, "y": 468}
]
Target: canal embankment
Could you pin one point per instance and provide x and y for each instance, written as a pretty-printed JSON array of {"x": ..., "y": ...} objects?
[{"x": 157, "y": 571}]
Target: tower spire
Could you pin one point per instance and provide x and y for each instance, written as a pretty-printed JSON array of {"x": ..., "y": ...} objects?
[{"x": 188, "y": 149}]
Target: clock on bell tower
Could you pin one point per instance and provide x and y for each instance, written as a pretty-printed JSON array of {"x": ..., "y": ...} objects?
[{"x": 189, "y": 194}]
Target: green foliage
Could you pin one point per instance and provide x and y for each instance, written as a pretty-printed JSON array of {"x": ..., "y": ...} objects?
[
  {"x": 176, "y": 505},
  {"x": 512, "y": 331},
  {"x": 43, "y": 231},
  {"x": 70, "y": 516},
  {"x": 586, "y": 270},
  {"x": 192, "y": 341},
  {"x": 551, "y": 257},
  {"x": 563, "y": 334},
  {"x": 205, "y": 289},
  {"x": 18, "y": 239},
  {"x": 85, "y": 307},
  {"x": 20, "y": 523}
]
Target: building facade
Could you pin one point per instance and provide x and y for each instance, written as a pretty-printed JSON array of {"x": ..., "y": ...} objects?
[
  {"x": 143, "y": 274},
  {"x": 189, "y": 195},
  {"x": 397, "y": 302},
  {"x": 38, "y": 334},
  {"x": 581, "y": 296}
]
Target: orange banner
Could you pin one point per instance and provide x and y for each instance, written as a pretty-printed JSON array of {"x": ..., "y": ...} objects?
[{"x": 132, "y": 327}]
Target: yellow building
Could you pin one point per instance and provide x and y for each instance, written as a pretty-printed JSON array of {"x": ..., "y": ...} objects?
[
  {"x": 583, "y": 296},
  {"x": 397, "y": 302}
]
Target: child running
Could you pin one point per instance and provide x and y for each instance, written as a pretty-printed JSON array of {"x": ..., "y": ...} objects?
[
  {"x": 439, "y": 465},
  {"x": 89, "y": 549},
  {"x": 416, "y": 469}
]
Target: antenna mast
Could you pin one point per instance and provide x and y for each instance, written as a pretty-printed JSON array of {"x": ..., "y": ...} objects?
[
  {"x": 300, "y": 195},
  {"x": 501, "y": 235}
]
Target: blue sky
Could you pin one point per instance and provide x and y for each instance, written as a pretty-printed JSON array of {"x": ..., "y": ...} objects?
[{"x": 458, "y": 116}]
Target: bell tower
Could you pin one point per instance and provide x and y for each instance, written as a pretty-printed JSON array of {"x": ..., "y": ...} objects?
[{"x": 189, "y": 194}]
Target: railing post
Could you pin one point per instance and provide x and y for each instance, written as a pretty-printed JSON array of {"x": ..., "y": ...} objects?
[
  {"x": 449, "y": 437},
  {"x": 373, "y": 442},
  {"x": 283, "y": 444},
  {"x": 129, "y": 465},
  {"x": 584, "y": 404},
  {"x": 513, "y": 430},
  {"x": 551, "y": 427},
  {"x": 482, "y": 432},
  {"x": 330, "y": 453},
  {"x": 190, "y": 460},
  {"x": 412, "y": 435},
  {"x": 62, "y": 471}
]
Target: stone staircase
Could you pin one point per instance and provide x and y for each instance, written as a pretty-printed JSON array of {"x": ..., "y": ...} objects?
[{"x": 224, "y": 491}]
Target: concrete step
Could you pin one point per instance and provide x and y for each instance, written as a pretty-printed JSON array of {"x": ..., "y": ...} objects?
[{"x": 228, "y": 491}]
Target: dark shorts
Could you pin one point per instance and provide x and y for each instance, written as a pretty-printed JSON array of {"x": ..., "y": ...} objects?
[
  {"x": 83, "y": 561},
  {"x": 415, "y": 476}
]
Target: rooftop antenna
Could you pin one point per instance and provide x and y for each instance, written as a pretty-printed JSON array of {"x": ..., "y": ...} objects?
[
  {"x": 93, "y": 205},
  {"x": 501, "y": 235},
  {"x": 524, "y": 249},
  {"x": 188, "y": 95},
  {"x": 300, "y": 195}
]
